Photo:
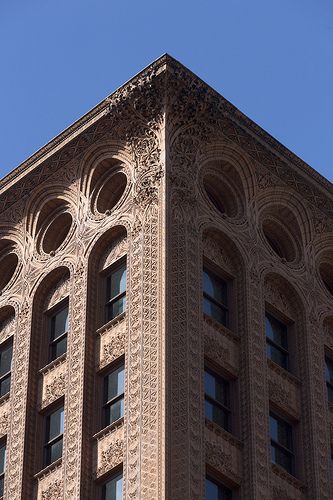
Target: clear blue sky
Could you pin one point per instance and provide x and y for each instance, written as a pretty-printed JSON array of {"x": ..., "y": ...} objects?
[{"x": 273, "y": 59}]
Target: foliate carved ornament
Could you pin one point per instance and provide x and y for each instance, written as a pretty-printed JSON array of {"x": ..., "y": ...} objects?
[
  {"x": 54, "y": 491},
  {"x": 54, "y": 390},
  {"x": 279, "y": 394},
  {"x": 217, "y": 254},
  {"x": 281, "y": 494},
  {"x": 115, "y": 251},
  {"x": 114, "y": 348},
  {"x": 4, "y": 423},
  {"x": 58, "y": 292},
  {"x": 218, "y": 458},
  {"x": 111, "y": 457}
]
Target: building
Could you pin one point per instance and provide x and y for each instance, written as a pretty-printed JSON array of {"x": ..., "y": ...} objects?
[{"x": 203, "y": 367}]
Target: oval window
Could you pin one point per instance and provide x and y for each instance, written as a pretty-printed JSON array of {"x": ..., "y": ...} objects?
[
  {"x": 221, "y": 195},
  {"x": 56, "y": 232},
  {"x": 8, "y": 265},
  {"x": 111, "y": 192},
  {"x": 326, "y": 274},
  {"x": 279, "y": 240}
]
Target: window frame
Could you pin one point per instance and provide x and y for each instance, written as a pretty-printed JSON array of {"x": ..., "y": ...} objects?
[
  {"x": 106, "y": 404},
  {"x": 116, "y": 472},
  {"x": 329, "y": 385},
  {"x": 3, "y": 444},
  {"x": 52, "y": 313},
  {"x": 109, "y": 301},
  {"x": 218, "y": 274},
  {"x": 4, "y": 346},
  {"x": 281, "y": 447},
  {"x": 227, "y": 410},
  {"x": 48, "y": 443},
  {"x": 285, "y": 351},
  {"x": 220, "y": 485}
]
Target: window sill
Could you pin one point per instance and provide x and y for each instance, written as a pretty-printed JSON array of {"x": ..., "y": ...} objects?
[
  {"x": 56, "y": 362},
  {"x": 111, "y": 323},
  {"x": 283, "y": 372},
  {"x": 4, "y": 398},
  {"x": 109, "y": 429},
  {"x": 282, "y": 473},
  {"x": 221, "y": 328},
  {"x": 219, "y": 431},
  {"x": 48, "y": 469}
]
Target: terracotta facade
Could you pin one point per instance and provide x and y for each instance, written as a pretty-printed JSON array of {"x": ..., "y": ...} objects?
[{"x": 168, "y": 175}]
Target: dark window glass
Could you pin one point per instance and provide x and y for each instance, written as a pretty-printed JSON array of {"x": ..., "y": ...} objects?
[
  {"x": 114, "y": 395},
  {"x": 2, "y": 466},
  {"x": 116, "y": 291},
  {"x": 59, "y": 331},
  {"x": 54, "y": 435},
  {"x": 215, "y": 297},
  {"x": 113, "y": 489},
  {"x": 329, "y": 379},
  {"x": 332, "y": 465},
  {"x": 277, "y": 341},
  {"x": 217, "y": 400},
  {"x": 215, "y": 491},
  {"x": 6, "y": 353},
  {"x": 281, "y": 443}
]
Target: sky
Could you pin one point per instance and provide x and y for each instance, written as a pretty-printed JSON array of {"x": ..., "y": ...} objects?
[{"x": 273, "y": 59}]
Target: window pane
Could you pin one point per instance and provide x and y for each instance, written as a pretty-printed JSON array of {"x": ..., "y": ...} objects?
[
  {"x": 114, "y": 383},
  {"x": 6, "y": 359},
  {"x": 60, "y": 323},
  {"x": 276, "y": 355},
  {"x": 1, "y": 486},
  {"x": 276, "y": 331},
  {"x": 329, "y": 393},
  {"x": 215, "y": 287},
  {"x": 329, "y": 371},
  {"x": 217, "y": 388},
  {"x": 281, "y": 432},
  {"x": 55, "y": 424},
  {"x": 216, "y": 491},
  {"x": 215, "y": 311},
  {"x": 114, "y": 411},
  {"x": 55, "y": 451},
  {"x": 282, "y": 458},
  {"x": 59, "y": 348},
  {"x": 2, "y": 458},
  {"x": 117, "y": 282},
  {"x": 117, "y": 307},
  {"x": 217, "y": 414},
  {"x": 5, "y": 386},
  {"x": 113, "y": 489}
]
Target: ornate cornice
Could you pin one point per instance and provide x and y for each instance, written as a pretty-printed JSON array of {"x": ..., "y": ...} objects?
[{"x": 198, "y": 92}]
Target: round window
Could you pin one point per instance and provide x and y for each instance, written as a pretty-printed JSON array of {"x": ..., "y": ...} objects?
[
  {"x": 56, "y": 232},
  {"x": 111, "y": 192},
  {"x": 8, "y": 265}
]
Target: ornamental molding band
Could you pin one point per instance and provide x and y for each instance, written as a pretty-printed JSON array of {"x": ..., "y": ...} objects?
[{"x": 163, "y": 177}]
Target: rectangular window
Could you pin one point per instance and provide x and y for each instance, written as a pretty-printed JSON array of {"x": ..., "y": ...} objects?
[
  {"x": 59, "y": 332},
  {"x": 6, "y": 354},
  {"x": 281, "y": 443},
  {"x": 113, "y": 489},
  {"x": 114, "y": 395},
  {"x": 54, "y": 435},
  {"x": 116, "y": 291},
  {"x": 216, "y": 491},
  {"x": 277, "y": 341},
  {"x": 2, "y": 466},
  {"x": 329, "y": 379},
  {"x": 217, "y": 400},
  {"x": 215, "y": 297}
]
